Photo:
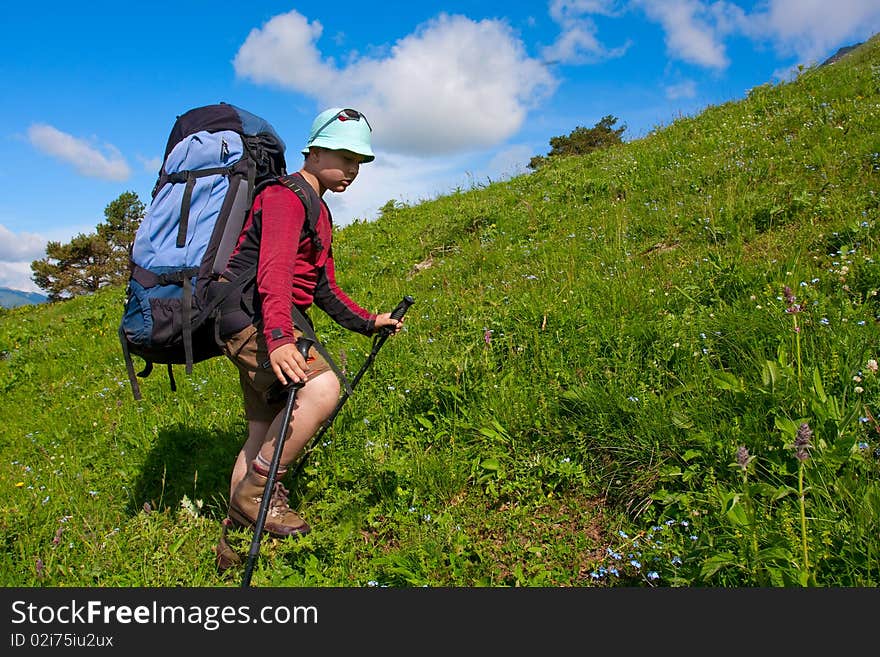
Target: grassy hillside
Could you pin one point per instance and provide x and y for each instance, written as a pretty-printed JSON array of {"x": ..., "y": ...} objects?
[{"x": 655, "y": 365}]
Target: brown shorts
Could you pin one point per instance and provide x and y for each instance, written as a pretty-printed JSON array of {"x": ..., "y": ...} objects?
[{"x": 248, "y": 351}]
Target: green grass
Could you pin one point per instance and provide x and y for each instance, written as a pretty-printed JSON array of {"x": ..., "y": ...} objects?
[{"x": 600, "y": 384}]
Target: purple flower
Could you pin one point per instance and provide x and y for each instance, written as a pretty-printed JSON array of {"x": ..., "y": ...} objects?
[
  {"x": 790, "y": 299},
  {"x": 742, "y": 457},
  {"x": 802, "y": 442}
]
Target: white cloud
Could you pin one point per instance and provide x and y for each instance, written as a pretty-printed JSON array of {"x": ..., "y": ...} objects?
[
  {"x": 510, "y": 162},
  {"x": 17, "y": 251},
  {"x": 561, "y": 10},
  {"x": 22, "y": 246},
  {"x": 810, "y": 29},
  {"x": 693, "y": 29},
  {"x": 403, "y": 178},
  {"x": 683, "y": 89},
  {"x": 453, "y": 85},
  {"x": 578, "y": 42},
  {"x": 150, "y": 164},
  {"x": 87, "y": 159},
  {"x": 17, "y": 276},
  {"x": 412, "y": 180},
  {"x": 283, "y": 53}
]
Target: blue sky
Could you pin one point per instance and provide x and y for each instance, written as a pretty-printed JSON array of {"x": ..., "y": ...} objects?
[{"x": 457, "y": 92}]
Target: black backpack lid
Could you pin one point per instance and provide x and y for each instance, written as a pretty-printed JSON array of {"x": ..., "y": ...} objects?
[{"x": 221, "y": 116}]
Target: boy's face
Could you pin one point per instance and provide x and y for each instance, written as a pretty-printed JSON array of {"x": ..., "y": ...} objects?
[{"x": 335, "y": 169}]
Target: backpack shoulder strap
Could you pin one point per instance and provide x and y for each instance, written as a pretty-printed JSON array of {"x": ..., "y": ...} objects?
[
  {"x": 312, "y": 203},
  {"x": 310, "y": 200}
]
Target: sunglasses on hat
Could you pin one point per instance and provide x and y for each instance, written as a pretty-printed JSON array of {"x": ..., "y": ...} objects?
[{"x": 345, "y": 115}]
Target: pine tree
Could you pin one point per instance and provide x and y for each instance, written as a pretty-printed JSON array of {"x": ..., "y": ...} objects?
[{"x": 91, "y": 261}]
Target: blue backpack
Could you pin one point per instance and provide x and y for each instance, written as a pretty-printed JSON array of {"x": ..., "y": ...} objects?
[{"x": 216, "y": 158}]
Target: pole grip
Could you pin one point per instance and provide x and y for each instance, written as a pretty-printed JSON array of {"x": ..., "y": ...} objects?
[
  {"x": 402, "y": 307},
  {"x": 400, "y": 311},
  {"x": 303, "y": 344}
]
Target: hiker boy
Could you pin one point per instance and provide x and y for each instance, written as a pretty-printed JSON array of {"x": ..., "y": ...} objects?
[{"x": 294, "y": 268}]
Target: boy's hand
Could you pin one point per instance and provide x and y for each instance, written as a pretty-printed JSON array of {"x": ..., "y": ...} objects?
[
  {"x": 384, "y": 320},
  {"x": 288, "y": 364}
]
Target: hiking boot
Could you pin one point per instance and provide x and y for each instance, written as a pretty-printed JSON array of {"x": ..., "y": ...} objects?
[
  {"x": 281, "y": 520},
  {"x": 226, "y": 557}
]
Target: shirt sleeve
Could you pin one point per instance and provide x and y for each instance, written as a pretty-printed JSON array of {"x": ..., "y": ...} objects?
[
  {"x": 338, "y": 305},
  {"x": 282, "y": 224}
]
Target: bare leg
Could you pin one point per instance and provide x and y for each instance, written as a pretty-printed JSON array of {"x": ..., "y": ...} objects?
[
  {"x": 315, "y": 402},
  {"x": 257, "y": 430}
]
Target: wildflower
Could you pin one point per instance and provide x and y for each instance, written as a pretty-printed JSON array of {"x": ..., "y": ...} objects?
[
  {"x": 487, "y": 336},
  {"x": 871, "y": 365},
  {"x": 790, "y": 299},
  {"x": 742, "y": 457},
  {"x": 676, "y": 561},
  {"x": 653, "y": 575},
  {"x": 858, "y": 390},
  {"x": 802, "y": 442},
  {"x": 39, "y": 567},
  {"x": 635, "y": 563}
]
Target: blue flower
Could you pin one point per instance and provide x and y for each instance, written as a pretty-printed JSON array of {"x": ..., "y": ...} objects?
[
  {"x": 653, "y": 575},
  {"x": 635, "y": 563},
  {"x": 676, "y": 561}
]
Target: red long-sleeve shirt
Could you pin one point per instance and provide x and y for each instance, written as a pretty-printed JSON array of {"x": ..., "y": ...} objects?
[{"x": 291, "y": 270}]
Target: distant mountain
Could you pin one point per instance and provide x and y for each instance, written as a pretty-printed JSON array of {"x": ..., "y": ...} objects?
[{"x": 10, "y": 298}]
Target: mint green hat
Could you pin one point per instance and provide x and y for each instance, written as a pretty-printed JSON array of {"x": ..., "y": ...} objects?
[{"x": 342, "y": 128}]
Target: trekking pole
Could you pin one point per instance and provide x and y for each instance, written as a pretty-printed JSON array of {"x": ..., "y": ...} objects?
[
  {"x": 303, "y": 345},
  {"x": 384, "y": 334}
]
